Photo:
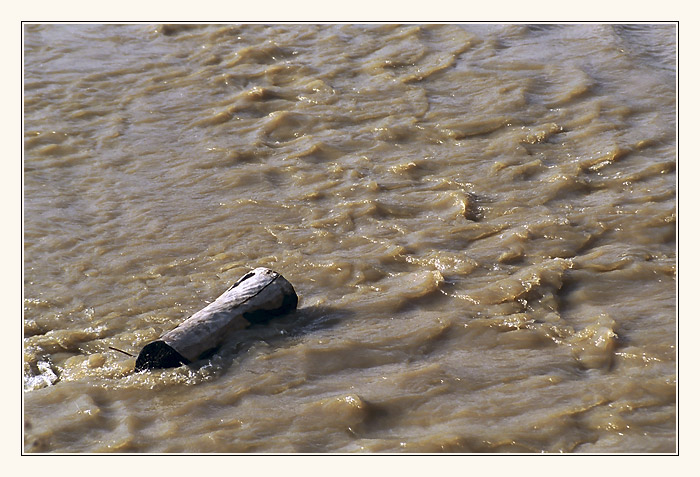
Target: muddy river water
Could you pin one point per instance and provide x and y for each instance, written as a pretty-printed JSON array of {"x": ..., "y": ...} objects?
[{"x": 479, "y": 221}]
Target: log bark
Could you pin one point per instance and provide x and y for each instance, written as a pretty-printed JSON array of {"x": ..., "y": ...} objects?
[{"x": 255, "y": 298}]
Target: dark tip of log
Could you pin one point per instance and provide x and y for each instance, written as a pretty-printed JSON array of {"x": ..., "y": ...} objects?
[
  {"x": 158, "y": 355},
  {"x": 289, "y": 303}
]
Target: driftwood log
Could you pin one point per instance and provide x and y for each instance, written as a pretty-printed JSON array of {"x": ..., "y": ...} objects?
[{"x": 255, "y": 298}]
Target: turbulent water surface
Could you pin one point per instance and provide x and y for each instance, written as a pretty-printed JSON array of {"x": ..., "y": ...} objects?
[{"x": 479, "y": 221}]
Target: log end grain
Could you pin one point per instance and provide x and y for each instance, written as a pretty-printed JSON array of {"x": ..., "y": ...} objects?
[
  {"x": 290, "y": 301},
  {"x": 158, "y": 355}
]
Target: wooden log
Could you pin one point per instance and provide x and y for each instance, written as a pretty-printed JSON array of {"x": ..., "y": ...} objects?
[{"x": 255, "y": 298}]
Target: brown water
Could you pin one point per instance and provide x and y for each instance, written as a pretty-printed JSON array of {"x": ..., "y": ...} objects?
[{"x": 479, "y": 221}]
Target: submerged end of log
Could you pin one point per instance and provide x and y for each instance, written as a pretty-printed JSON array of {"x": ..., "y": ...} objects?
[{"x": 158, "y": 355}]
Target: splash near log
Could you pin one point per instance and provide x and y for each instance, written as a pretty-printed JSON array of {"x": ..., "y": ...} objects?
[{"x": 256, "y": 297}]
